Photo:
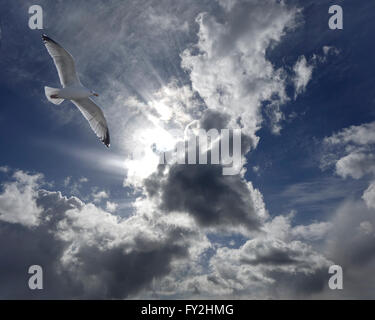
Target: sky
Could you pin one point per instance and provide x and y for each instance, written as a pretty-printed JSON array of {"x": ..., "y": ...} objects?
[{"x": 114, "y": 224}]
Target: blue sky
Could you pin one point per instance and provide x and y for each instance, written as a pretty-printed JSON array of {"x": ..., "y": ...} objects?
[{"x": 309, "y": 163}]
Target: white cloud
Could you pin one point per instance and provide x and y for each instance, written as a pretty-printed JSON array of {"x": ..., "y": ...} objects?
[
  {"x": 360, "y": 135},
  {"x": 369, "y": 196},
  {"x": 312, "y": 232},
  {"x": 111, "y": 206},
  {"x": 303, "y": 73},
  {"x": 280, "y": 227},
  {"x": 99, "y": 196},
  {"x": 228, "y": 66},
  {"x": 356, "y": 165},
  {"x": 4, "y": 169},
  {"x": 351, "y": 152},
  {"x": 83, "y": 180},
  {"x": 17, "y": 201}
]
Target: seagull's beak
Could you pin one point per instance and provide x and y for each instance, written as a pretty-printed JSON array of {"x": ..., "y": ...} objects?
[{"x": 95, "y": 94}]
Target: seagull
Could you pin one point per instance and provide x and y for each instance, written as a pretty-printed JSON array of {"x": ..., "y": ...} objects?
[{"x": 73, "y": 90}]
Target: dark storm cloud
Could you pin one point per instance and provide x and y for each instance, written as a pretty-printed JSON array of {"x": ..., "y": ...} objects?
[
  {"x": 202, "y": 190},
  {"x": 23, "y": 246},
  {"x": 120, "y": 274},
  {"x": 211, "y": 198},
  {"x": 118, "y": 271}
]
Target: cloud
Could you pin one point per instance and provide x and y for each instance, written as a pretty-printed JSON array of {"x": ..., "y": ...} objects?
[
  {"x": 228, "y": 65},
  {"x": 263, "y": 268},
  {"x": 211, "y": 198},
  {"x": 90, "y": 253},
  {"x": 350, "y": 151},
  {"x": 111, "y": 206},
  {"x": 330, "y": 50},
  {"x": 363, "y": 134},
  {"x": 85, "y": 251},
  {"x": 4, "y": 169},
  {"x": 355, "y": 165},
  {"x": 99, "y": 196},
  {"x": 74, "y": 186},
  {"x": 369, "y": 196},
  {"x": 313, "y": 232},
  {"x": 281, "y": 227},
  {"x": 17, "y": 200},
  {"x": 350, "y": 244},
  {"x": 303, "y": 73},
  {"x": 165, "y": 22}
]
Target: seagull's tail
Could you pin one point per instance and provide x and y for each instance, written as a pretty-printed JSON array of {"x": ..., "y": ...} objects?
[{"x": 50, "y": 92}]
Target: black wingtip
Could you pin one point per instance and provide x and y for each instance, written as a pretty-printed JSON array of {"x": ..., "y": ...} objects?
[
  {"x": 107, "y": 139},
  {"x": 46, "y": 38}
]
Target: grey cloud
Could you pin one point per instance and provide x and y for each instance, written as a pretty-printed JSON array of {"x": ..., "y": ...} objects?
[
  {"x": 95, "y": 258},
  {"x": 120, "y": 274},
  {"x": 211, "y": 198},
  {"x": 350, "y": 244},
  {"x": 269, "y": 267},
  {"x": 212, "y": 119}
]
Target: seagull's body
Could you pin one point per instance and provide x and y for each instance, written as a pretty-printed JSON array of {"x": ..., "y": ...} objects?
[{"x": 73, "y": 90}]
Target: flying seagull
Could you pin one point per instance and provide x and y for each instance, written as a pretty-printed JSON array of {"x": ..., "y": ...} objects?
[{"x": 73, "y": 90}]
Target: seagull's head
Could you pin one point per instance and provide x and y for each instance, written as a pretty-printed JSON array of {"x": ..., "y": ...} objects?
[{"x": 94, "y": 94}]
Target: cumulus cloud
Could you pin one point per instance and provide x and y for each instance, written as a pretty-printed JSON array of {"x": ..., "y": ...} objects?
[
  {"x": 351, "y": 152},
  {"x": 313, "y": 232},
  {"x": 17, "y": 200},
  {"x": 281, "y": 227},
  {"x": 228, "y": 65},
  {"x": 355, "y": 165},
  {"x": 349, "y": 243},
  {"x": 262, "y": 268},
  {"x": 211, "y": 198},
  {"x": 91, "y": 253},
  {"x": 359, "y": 135},
  {"x": 85, "y": 251}
]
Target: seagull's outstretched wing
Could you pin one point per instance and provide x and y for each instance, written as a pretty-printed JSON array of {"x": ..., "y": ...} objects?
[
  {"x": 95, "y": 117},
  {"x": 64, "y": 62}
]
